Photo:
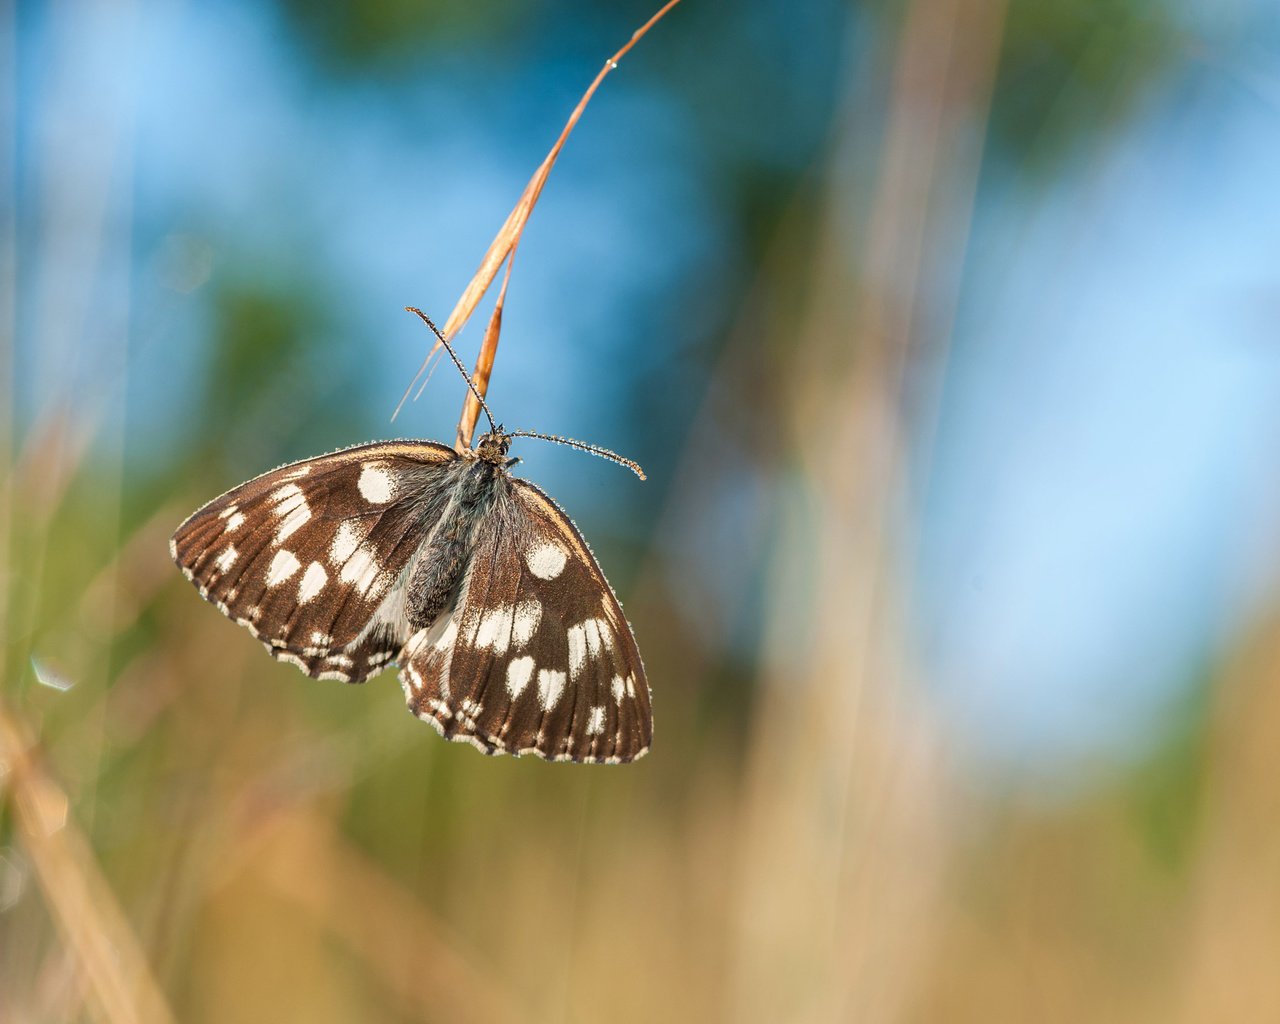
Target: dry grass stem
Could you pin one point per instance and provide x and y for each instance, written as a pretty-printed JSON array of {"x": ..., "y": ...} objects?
[
  {"x": 484, "y": 361},
  {"x": 503, "y": 248}
]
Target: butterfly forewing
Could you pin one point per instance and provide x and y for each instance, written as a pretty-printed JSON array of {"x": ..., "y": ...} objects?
[
  {"x": 311, "y": 556},
  {"x": 536, "y": 656}
]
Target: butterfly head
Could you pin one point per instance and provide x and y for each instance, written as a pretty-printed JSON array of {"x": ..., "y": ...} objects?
[{"x": 493, "y": 447}]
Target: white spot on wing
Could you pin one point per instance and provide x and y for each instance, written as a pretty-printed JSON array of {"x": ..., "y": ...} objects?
[
  {"x": 550, "y": 687},
  {"x": 284, "y": 565},
  {"x": 468, "y": 712},
  {"x": 519, "y": 672},
  {"x": 595, "y": 725},
  {"x": 361, "y": 571},
  {"x": 449, "y": 635},
  {"x": 228, "y": 512},
  {"x": 494, "y": 630},
  {"x": 313, "y": 581},
  {"x": 577, "y": 649},
  {"x": 619, "y": 688},
  {"x": 345, "y": 542},
  {"x": 376, "y": 484},
  {"x": 288, "y": 496},
  {"x": 546, "y": 561},
  {"x": 412, "y": 680},
  {"x": 227, "y": 559},
  {"x": 525, "y": 622},
  {"x": 294, "y": 521},
  {"x": 591, "y": 629}
]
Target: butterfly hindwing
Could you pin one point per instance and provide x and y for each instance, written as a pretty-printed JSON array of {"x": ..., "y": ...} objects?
[
  {"x": 311, "y": 556},
  {"x": 536, "y": 656}
]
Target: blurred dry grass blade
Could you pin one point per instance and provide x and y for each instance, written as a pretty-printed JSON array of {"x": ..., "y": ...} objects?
[
  {"x": 848, "y": 798},
  {"x": 350, "y": 898},
  {"x": 117, "y": 594},
  {"x": 90, "y": 920},
  {"x": 503, "y": 247},
  {"x": 1228, "y": 966}
]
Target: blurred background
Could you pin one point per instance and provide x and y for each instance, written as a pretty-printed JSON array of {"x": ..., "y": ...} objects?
[{"x": 947, "y": 332}]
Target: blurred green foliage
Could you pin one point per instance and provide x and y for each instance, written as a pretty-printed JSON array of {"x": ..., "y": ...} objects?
[{"x": 1071, "y": 72}]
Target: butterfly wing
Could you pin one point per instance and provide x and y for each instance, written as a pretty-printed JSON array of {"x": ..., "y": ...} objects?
[
  {"x": 536, "y": 656},
  {"x": 311, "y": 557}
]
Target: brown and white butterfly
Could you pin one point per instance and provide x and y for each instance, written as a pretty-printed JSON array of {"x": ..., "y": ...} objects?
[{"x": 475, "y": 583}]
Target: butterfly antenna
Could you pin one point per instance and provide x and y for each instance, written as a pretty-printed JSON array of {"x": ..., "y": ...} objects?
[
  {"x": 582, "y": 446},
  {"x": 456, "y": 362}
]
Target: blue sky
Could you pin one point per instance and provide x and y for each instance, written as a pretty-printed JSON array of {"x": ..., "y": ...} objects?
[{"x": 1102, "y": 506}]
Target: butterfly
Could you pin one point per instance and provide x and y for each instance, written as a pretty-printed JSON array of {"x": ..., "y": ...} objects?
[{"x": 471, "y": 580}]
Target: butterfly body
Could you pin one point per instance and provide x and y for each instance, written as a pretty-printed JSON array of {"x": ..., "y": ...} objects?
[
  {"x": 481, "y": 590},
  {"x": 474, "y": 486}
]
